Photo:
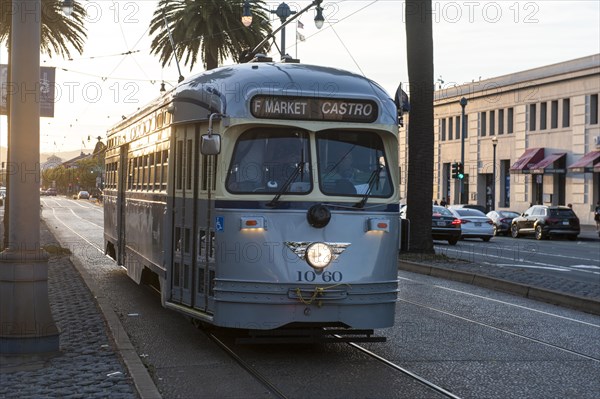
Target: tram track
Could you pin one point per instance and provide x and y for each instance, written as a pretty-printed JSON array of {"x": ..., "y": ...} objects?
[
  {"x": 505, "y": 331},
  {"x": 405, "y": 371}
]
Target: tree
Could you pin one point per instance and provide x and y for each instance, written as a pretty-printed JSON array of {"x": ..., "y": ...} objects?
[
  {"x": 211, "y": 28},
  {"x": 419, "y": 40},
  {"x": 59, "y": 32}
]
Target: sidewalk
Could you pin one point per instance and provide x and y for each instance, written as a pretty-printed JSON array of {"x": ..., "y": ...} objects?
[{"x": 89, "y": 364}]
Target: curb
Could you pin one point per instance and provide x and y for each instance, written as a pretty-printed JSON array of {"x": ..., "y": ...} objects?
[
  {"x": 144, "y": 384},
  {"x": 539, "y": 294}
]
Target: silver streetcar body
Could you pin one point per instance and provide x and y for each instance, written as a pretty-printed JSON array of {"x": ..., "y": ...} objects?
[{"x": 294, "y": 221}]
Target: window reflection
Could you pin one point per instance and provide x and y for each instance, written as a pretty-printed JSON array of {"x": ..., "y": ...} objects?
[
  {"x": 264, "y": 159},
  {"x": 352, "y": 163}
]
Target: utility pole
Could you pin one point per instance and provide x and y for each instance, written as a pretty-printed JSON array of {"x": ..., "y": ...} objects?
[{"x": 463, "y": 104}]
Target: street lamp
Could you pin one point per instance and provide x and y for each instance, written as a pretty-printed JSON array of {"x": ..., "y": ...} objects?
[
  {"x": 494, "y": 144},
  {"x": 286, "y": 15},
  {"x": 463, "y": 104}
]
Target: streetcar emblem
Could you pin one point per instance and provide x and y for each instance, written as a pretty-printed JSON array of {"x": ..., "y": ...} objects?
[{"x": 299, "y": 248}]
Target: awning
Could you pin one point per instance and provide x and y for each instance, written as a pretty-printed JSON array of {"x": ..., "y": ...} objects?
[
  {"x": 547, "y": 165},
  {"x": 529, "y": 158},
  {"x": 590, "y": 162}
]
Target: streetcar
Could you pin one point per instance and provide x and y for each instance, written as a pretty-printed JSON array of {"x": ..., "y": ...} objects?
[{"x": 261, "y": 196}]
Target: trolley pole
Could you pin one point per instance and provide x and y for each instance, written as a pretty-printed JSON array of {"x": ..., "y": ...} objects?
[
  {"x": 26, "y": 323},
  {"x": 463, "y": 104}
]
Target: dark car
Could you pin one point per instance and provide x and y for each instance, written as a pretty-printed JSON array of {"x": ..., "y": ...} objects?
[
  {"x": 546, "y": 221},
  {"x": 51, "y": 191},
  {"x": 444, "y": 225},
  {"x": 502, "y": 221}
]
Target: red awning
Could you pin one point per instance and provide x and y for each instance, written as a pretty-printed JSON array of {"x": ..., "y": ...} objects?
[
  {"x": 590, "y": 162},
  {"x": 529, "y": 158},
  {"x": 546, "y": 165}
]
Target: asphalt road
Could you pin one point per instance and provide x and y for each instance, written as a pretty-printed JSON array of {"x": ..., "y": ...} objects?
[
  {"x": 579, "y": 260},
  {"x": 474, "y": 342}
]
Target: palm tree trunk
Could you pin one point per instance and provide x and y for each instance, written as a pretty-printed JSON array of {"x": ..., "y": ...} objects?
[{"x": 420, "y": 127}]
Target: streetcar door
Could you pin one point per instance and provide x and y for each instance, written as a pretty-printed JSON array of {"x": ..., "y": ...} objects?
[
  {"x": 120, "y": 203},
  {"x": 184, "y": 214},
  {"x": 206, "y": 223}
]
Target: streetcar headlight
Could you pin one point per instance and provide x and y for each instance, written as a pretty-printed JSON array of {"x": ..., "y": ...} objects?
[{"x": 319, "y": 255}]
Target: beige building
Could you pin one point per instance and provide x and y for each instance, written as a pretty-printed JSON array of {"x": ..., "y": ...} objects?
[{"x": 540, "y": 126}]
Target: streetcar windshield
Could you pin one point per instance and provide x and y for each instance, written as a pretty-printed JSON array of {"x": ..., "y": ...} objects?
[
  {"x": 264, "y": 159},
  {"x": 352, "y": 163}
]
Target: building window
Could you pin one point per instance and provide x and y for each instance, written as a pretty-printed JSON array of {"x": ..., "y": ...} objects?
[
  {"x": 483, "y": 124},
  {"x": 443, "y": 129},
  {"x": 457, "y": 119},
  {"x": 594, "y": 109},
  {"x": 566, "y": 112},
  {"x": 505, "y": 183},
  {"x": 532, "y": 117},
  {"x": 450, "y": 126},
  {"x": 543, "y": 115},
  {"x": 554, "y": 115},
  {"x": 509, "y": 120},
  {"x": 500, "y": 121},
  {"x": 492, "y": 123}
]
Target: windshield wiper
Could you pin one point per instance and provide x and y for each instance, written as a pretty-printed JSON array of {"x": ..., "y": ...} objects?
[
  {"x": 285, "y": 186},
  {"x": 374, "y": 178}
]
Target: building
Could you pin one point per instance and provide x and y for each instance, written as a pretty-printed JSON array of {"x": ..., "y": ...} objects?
[{"x": 540, "y": 126}]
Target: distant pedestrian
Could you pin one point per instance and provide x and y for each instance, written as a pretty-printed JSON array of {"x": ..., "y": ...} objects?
[
  {"x": 435, "y": 202},
  {"x": 597, "y": 216},
  {"x": 443, "y": 202},
  {"x": 570, "y": 206}
]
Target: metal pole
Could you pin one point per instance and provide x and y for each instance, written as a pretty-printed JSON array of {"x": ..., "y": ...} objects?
[
  {"x": 463, "y": 104},
  {"x": 26, "y": 323}
]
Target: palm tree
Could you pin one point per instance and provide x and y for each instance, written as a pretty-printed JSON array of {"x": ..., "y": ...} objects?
[
  {"x": 58, "y": 34},
  {"x": 212, "y": 28},
  {"x": 419, "y": 40}
]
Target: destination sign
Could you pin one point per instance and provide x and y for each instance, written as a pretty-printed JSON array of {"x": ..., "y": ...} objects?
[{"x": 314, "y": 109}]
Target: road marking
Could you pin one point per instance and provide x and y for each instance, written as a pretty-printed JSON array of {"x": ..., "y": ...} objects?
[{"x": 503, "y": 302}]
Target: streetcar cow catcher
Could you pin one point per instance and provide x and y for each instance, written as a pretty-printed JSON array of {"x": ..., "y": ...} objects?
[{"x": 261, "y": 196}]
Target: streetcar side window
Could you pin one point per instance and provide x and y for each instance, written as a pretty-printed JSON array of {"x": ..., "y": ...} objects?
[
  {"x": 352, "y": 163},
  {"x": 266, "y": 159}
]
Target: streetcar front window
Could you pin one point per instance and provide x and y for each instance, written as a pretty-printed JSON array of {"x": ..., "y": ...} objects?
[
  {"x": 352, "y": 163},
  {"x": 266, "y": 159}
]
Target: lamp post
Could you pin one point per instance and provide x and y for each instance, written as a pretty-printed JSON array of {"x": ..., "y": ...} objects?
[
  {"x": 463, "y": 104},
  {"x": 494, "y": 144},
  {"x": 286, "y": 15}
]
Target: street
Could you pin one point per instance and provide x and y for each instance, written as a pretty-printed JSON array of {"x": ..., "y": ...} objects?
[{"x": 457, "y": 336}]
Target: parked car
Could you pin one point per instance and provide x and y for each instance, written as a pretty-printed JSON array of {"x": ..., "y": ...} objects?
[
  {"x": 473, "y": 223},
  {"x": 51, "y": 191},
  {"x": 480, "y": 208},
  {"x": 83, "y": 195},
  {"x": 546, "y": 221},
  {"x": 444, "y": 225},
  {"x": 502, "y": 221}
]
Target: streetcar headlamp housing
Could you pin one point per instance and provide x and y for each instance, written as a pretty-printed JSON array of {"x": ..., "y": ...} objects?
[{"x": 319, "y": 255}]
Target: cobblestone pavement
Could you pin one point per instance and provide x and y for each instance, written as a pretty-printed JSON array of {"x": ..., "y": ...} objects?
[{"x": 88, "y": 365}]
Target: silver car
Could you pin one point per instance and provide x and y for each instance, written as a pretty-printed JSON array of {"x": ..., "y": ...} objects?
[{"x": 474, "y": 223}]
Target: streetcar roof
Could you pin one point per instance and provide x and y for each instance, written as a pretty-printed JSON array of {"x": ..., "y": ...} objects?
[{"x": 229, "y": 90}]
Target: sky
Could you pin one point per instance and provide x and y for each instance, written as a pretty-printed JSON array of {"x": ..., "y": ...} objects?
[{"x": 472, "y": 40}]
